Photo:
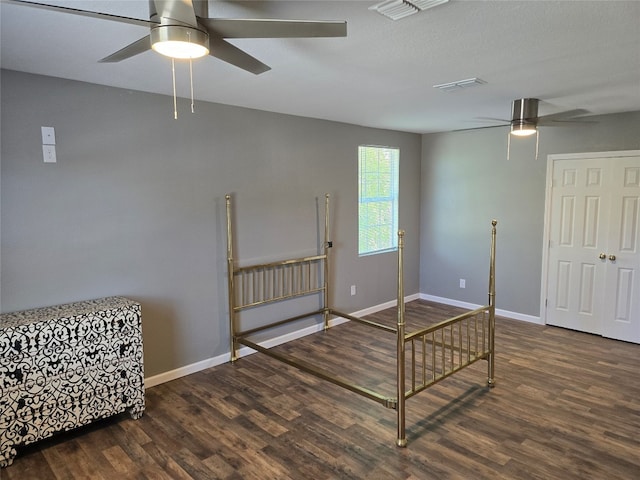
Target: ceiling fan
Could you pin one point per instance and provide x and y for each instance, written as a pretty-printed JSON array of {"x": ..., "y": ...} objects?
[
  {"x": 182, "y": 29},
  {"x": 525, "y": 120}
]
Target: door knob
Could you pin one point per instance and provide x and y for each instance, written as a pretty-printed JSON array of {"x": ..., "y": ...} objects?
[
  {"x": 602, "y": 256},
  {"x": 612, "y": 258}
]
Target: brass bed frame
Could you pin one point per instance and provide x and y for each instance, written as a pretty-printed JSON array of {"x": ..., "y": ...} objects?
[{"x": 434, "y": 352}]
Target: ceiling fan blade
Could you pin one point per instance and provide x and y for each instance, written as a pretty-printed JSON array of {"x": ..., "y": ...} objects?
[
  {"x": 233, "y": 55},
  {"x": 129, "y": 51},
  {"x": 269, "y": 28},
  {"x": 201, "y": 8},
  {"x": 565, "y": 123},
  {"x": 492, "y": 119},
  {"x": 566, "y": 115},
  {"x": 84, "y": 13},
  {"x": 180, "y": 11},
  {"x": 479, "y": 128}
]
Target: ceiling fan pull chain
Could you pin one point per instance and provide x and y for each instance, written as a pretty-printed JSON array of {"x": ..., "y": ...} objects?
[
  {"x": 508, "y": 145},
  {"x": 173, "y": 74},
  {"x": 190, "y": 72},
  {"x": 191, "y": 78},
  {"x": 537, "y": 138}
]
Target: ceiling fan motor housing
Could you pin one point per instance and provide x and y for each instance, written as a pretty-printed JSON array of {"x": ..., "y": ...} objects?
[
  {"x": 524, "y": 116},
  {"x": 524, "y": 110}
]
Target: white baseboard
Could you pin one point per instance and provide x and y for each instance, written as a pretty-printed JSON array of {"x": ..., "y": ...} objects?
[
  {"x": 502, "y": 313},
  {"x": 186, "y": 370},
  {"x": 383, "y": 306},
  {"x": 244, "y": 351}
]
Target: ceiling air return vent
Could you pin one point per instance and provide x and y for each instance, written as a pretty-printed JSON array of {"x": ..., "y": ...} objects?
[
  {"x": 426, "y": 4},
  {"x": 455, "y": 86},
  {"x": 397, "y": 9}
]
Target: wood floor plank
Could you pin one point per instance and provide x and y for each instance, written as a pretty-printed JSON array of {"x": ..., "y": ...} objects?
[
  {"x": 83, "y": 466},
  {"x": 119, "y": 460},
  {"x": 566, "y": 406},
  {"x": 165, "y": 467}
]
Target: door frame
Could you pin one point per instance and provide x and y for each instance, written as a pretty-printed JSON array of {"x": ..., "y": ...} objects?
[{"x": 551, "y": 159}]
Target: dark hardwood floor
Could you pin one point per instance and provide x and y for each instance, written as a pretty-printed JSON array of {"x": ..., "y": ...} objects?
[{"x": 566, "y": 406}]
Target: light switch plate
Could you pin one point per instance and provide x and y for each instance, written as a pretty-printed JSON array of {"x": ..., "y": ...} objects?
[{"x": 48, "y": 136}]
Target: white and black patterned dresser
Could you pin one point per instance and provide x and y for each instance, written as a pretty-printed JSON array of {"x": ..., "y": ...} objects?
[{"x": 65, "y": 366}]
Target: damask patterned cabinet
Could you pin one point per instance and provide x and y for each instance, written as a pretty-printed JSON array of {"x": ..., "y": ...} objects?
[{"x": 65, "y": 366}]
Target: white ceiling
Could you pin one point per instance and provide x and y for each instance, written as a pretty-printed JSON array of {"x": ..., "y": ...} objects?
[{"x": 570, "y": 54}]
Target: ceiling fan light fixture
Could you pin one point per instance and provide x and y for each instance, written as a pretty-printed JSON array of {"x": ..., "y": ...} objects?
[
  {"x": 523, "y": 129},
  {"x": 180, "y": 42}
]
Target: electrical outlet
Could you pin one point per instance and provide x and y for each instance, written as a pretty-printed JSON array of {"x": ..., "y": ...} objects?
[
  {"x": 49, "y": 153},
  {"x": 353, "y": 290},
  {"x": 463, "y": 283}
]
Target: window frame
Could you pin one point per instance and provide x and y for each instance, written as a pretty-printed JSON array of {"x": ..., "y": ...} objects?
[{"x": 390, "y": 223}]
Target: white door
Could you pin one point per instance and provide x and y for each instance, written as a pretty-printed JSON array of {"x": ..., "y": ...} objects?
[
  {"x": 594, "y": 247},
  {"x": 622, "y": 285}
]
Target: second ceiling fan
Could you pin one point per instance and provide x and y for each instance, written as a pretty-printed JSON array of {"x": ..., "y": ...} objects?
[{"x": 525, "y": 120}]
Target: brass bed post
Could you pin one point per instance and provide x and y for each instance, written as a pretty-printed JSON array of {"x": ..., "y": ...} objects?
[
  {"x": 230, "y": 273},
  {"x": 492, "y": 307},
  {"x": 400, "y": 410},
  {"x": 327, "y": 246}
]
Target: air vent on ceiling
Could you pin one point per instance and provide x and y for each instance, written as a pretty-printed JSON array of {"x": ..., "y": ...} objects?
[
  {"x": 397, "y": 9},
  {"x": 455, "y": 86},
  {"x": 426, "y": 4}
]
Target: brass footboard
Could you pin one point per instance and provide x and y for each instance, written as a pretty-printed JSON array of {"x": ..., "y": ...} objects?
[
  {"x": 447, "y": 347},
  {"x": 438, "y": 351}
]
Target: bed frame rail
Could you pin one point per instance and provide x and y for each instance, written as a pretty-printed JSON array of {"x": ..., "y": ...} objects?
[{"x": 388, "y": 402}]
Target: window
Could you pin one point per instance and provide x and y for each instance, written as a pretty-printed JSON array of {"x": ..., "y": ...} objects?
[{"x": 377, "y": 199}]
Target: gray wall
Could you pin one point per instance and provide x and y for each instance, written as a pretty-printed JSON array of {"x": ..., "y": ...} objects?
[
  {"x": 467, "y": 181},
  {"x": 135, "y": 205}
]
